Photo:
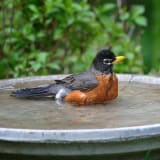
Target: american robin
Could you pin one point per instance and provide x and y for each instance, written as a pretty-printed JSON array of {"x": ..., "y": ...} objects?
[{"x": 96, "y": 85}]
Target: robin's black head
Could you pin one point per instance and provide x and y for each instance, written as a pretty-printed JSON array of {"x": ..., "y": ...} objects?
[{"x": 104, "y": 61}]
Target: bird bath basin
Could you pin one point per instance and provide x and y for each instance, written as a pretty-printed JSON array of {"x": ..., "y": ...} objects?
[{"x": 129, "y": 125}]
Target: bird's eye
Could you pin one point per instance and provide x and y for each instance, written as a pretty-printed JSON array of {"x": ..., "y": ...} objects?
[{"x": 107, "y": 61}]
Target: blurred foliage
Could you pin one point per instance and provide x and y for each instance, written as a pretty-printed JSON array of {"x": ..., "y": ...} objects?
[
  {"x": 151, "y": 38},
  {"x": 62, "y": 36}
]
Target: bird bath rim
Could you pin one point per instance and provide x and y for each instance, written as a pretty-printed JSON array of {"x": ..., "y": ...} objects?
[
  {"x": 80, "y": 135},
  {"x": 8, "y": 83}
]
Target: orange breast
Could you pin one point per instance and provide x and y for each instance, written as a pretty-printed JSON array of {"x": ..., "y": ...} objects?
[{"x": 107, "y": 89}]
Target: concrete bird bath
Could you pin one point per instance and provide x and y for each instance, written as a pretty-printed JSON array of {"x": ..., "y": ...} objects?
[{"x": 128, "y": 127}]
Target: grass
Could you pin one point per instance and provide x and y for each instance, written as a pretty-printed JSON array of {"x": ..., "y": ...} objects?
[{"x": 148, "y": 155}]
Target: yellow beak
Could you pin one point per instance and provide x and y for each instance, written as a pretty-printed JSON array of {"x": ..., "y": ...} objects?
[{"x": 118, "y": 59}]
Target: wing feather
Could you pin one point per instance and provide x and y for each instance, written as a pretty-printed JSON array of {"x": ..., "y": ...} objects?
[{"x": 83, "y": 81}]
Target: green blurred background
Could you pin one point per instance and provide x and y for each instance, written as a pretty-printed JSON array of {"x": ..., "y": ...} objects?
[{"x": 62, "y": 36}]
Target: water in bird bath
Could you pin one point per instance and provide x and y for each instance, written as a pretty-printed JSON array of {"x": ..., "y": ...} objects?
[{"x": 137, "y": 104}]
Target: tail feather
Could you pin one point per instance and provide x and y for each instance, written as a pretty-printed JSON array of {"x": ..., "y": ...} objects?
[{"x": 33, "y": 92}]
